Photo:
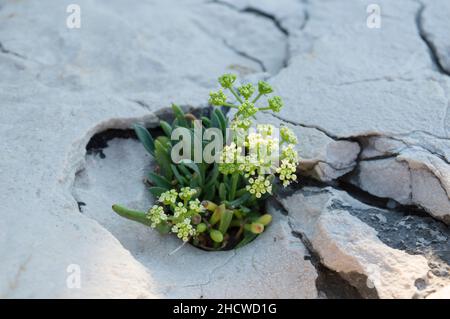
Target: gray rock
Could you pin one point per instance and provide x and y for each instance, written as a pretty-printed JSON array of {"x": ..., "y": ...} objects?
[
  {"x": 334, "y": 224},
  {"x": 434, "y": 25}
]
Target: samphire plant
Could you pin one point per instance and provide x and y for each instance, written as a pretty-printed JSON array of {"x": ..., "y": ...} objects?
[{"x": 219, "y": 205}]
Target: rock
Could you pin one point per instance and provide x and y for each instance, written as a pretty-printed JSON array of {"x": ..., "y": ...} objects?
[
  {"x": 61, "y": 86},
  {"x": 273, "y": 266},
  {"x": 412, "y": 177},
  {"x": 375, "y": 86},
  {"x": 289, "y": 15},
  {"x": 321, "y": 156},
  {"x": 349, "y": 246},
  {"x": 434, "y": 25}
]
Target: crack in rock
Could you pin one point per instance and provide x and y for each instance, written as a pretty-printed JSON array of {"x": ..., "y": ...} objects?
[
  {"x": 245, "y": 55},
  {"x": 338, "y": 227},
  {"x": 424, "y": 36},
  {"x": 6, "y": 51}
]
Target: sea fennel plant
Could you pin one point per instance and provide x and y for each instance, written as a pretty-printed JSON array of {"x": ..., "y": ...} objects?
[{"x": 218, "y": 204}]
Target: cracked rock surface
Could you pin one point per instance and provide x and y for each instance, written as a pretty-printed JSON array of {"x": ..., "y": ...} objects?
[
  {"x": 370, "y": 108},
  {"x": 355, "y": 239}
]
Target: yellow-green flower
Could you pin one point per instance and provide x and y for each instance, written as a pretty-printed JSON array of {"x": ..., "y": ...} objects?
[
  {"x": 195, "y": 206},
  {"x": 186, "y": 193},
  {"x": 287, "y": 171},
  {"x": 259, "y": 186},
  {"x": 247, "y": 109},
  {"x": 287, "y": 135},
  {"x": 227, "y": 80},
  {"x": 184, "y": 229},
  {"x": 246, "y": 90},
  {"x": 230, "y": 158},
  {"x": 180, "y": 211},
  {"x": 275, "y": 103},
  {"x": 217, "y": 98},
  {"x": 156, "y": 215},
  {"x": 169, "y": 197},
  {"x": 264, "y": 88}
]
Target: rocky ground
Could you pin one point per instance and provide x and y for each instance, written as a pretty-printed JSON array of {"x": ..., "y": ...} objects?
[{"x": 370, "y": 106}]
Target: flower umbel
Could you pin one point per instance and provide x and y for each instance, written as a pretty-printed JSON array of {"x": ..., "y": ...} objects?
[
  {"x": 227, "y": 80},
  {"x": 275, "y": 103},
  {"x": 156, "y": 215},
  {"x": 186, "y": 193},
  {"x": 259, "y": 186},
  {"x": 184, "y": 229},
  {"x": 246, "y": 90},
  {"x": 169, "y": 197},
  {"x": 217, "y": 98}
]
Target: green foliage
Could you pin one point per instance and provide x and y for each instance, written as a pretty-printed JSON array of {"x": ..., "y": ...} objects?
[{"x": 215, "y": 206}]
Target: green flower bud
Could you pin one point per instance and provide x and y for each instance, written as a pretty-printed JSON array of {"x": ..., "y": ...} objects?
[
  {"x": 227, "y": 80},
  {"x": 246, "y": 90},
  {"x": 217, "y": 98},
  {"x": 275, "y": 103},
  {"x": 201, "y": 227},
  {"x": 216, "y": 235},
  {"x": 265, "y": 219},
  {"x": 264, "y": 88},
  {"x": 247, "y": 109}
]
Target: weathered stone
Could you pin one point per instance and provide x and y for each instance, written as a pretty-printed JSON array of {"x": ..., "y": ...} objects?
[
  {"x": 434, "y": 25},
  {"x": 349, "y": 246}
]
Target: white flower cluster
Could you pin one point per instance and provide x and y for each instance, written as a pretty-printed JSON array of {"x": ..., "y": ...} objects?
[
  {"x": 182, "y": 211},
  {"x": 184, "y": 229},
  {"x": 156, "y": 215}
]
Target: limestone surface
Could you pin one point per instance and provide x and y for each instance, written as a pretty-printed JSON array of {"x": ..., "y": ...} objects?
[{"x": 370, "y": 107}]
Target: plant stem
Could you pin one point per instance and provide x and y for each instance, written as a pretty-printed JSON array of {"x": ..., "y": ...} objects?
[
  {"x": 234, "y": 182},
  {"x": 257, "y": 98},
  {"x": 230, "y": 105},
  {"x": 235, "y": 95},
  {"x": 264, "y": 108}
]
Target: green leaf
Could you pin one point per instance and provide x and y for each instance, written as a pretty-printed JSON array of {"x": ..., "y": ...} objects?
[
  {"x": 248, "y": 237},
  {"x": 206, "y": 122},
  {"x": 222, "y": 191},
  {"x": 225, "y": 220},
  {"x": 212, "y": 176},
  {"x": 222, "y": 120},
  {"x": 159, "y": 180},
  {"x": 166, "y": 128},
  {"x": 184, "y": 171},
  {"x": 209, "y": 192},
  {"x": 157, "y": 191},
  {"x": 179, "y": 114},
  {"x": 137, "y": 216},
  {"x": 163, "y": 227},
  {"x": 215, "y": 121},
  {"x": 178, "y": 176},
  {"x": 240, "y": 200},
  {"x": 195, "y": 168},
  {"x": 146, "y": 138},
  {"x": 162, "y": 157}
]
